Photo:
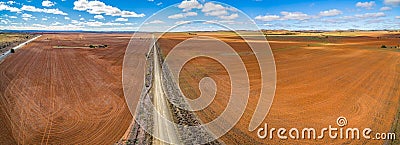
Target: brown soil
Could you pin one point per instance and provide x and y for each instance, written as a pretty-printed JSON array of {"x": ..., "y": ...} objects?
[
  {"x": 64, "y": 96},
  {"x": 318, "y": 80},
  {"x": 74, "y": 96}
]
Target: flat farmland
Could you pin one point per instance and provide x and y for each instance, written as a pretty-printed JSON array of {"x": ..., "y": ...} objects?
[
  {"x": 319, "y": 78},
  {"x": 66, "y": 88},
  {"x": 52, "y": 94}
]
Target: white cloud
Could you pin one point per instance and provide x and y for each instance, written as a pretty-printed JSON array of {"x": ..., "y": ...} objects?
[
  {"x": 214, "y": 9},
  {"x": 4, "y": 21},
  {"x": 371, "y": 15},
  {"x": 392, "y": 2},
  {"x": 156, "y": 22},
  {"x": 150, "y": 0},
  {"x": 13, "y": 17},
  {"x": 294, "y": 16},
  {"x": 82, "y": 19},
  {"x": 231, "y": 22},
  {"x": 66, "y": 18},
  {"x": 333, "y": 12},
  {"x": 44, "y": 19},
  {"x": 98, "y": 7},
  {"x": 385, "y": 8},
  {"x": 217, "y": 13},
  {"x": 38, "y": 25},
  {"x": 397, "y": 17},
  {"x": 74, "y": 21},
  {"x": 129, "y": 14},
  {"x": 26, "y": 15},
  {"x": 182, "y": 15},
  {"x": 98, "y": 17},
  {"x": 99, "y": 24},
  {"x": 188, "y": 5},
  {"x": 267, "y": 17},
  {"x": 56, "y": 23},
  {"x": 230, "y": 17},
  {"x": 11, "y": 2},
  {"x": 3, "y": 6},
  {"x": 288, "y": 16},
  {"x": 208, "y": 7},
  {"x": 49, "y": 11},
  {"x": 181, "y": 22},
  {"x": 121, "y": 19},
  {"x": 160, "y": 3},
  {"x": 112, "y": 24},
  {"x": 48, "y": 3},
  {"x": 366, "y": 5}
]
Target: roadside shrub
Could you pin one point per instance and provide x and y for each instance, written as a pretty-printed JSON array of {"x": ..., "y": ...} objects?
[
  {"x": 12, "y": 50},
  {"x": 91, "y": 46},
  {"x": 383, "y": 46}
]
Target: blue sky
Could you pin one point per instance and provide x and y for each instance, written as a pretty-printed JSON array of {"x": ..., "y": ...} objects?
[{"x": 124, "y": 15}]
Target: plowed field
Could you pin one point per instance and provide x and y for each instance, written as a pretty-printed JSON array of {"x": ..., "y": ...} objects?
[
  {"x": 64, "y": 96},
  {"x": 318, "y": 80}
]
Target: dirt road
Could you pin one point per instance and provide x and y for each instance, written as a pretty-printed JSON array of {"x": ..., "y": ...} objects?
[
  {"x": 2, "y": 56},
  {"x": 162, "y": 127}
]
